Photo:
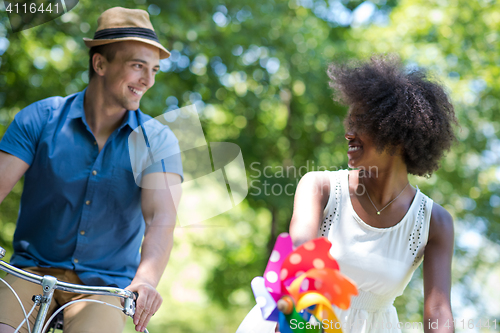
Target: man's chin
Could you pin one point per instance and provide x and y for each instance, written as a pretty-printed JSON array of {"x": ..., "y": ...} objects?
[{"x": 132, "y": 106}]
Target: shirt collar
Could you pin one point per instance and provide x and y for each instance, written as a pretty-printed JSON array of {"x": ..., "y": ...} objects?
[
  {"x": 131, "y": 119},
  {"x": 77, "y": 111}
]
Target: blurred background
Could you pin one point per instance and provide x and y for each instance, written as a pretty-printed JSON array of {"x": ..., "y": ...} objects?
[{"x": 256, "y": 71}]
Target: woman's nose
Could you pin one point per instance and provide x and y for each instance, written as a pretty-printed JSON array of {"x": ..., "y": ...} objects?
[{"x": 350, "y": 135}]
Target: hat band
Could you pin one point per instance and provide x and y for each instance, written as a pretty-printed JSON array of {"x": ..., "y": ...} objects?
[{"x": 113, "y": 33}]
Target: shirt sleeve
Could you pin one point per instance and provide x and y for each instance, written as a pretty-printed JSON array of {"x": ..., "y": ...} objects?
[
  {"x": 166, "y": 155},
  {"x": 23, "y": 134},
  {"x": 153, "y": 147}
]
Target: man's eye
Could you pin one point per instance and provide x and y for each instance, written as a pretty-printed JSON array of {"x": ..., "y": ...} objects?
[{"x": 138, "y": 65}]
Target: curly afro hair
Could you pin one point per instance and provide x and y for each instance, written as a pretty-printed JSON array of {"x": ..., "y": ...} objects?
[{"x": 397, "y": 108}]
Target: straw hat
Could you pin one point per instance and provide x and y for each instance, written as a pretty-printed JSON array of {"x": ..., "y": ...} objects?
[{"x": 119, "y": 24}]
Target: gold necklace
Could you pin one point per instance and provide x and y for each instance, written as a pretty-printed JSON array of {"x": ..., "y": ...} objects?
[{"x": 378, "y": 211}]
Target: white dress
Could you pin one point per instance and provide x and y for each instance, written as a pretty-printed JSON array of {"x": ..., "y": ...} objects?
[{"x": 380, "y": 260}]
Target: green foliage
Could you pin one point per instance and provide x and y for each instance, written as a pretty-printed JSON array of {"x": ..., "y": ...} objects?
[{"x": 225, "y": 59}]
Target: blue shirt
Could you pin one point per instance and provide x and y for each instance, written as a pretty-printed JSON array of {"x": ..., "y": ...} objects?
[{"x": 80, "y": 208}]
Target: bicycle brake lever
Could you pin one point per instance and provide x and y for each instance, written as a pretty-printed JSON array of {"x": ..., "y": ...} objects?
[
  {"x": 129, "y": 307},
  {"x": 129, "y": 304}
]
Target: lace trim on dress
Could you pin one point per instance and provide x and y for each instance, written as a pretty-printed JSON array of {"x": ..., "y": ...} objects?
[
  {"x": 332, "y": 208},
  {"x": 416, "y": 237}
]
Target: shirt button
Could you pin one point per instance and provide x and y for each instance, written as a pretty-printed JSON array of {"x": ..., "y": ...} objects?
[
  {"x": 87, "y": 202},
  {"x": 94, "y": 172},
  {"x": 82, "y": 232},
  {"x": 95, "y": 142},
  {"x": 75, "y": 261}
]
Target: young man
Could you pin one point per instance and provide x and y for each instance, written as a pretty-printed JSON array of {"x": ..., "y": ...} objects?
[{"x": 82, "y": 216}]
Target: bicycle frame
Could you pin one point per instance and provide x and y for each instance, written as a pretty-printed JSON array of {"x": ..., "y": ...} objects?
[{"x": 50, "y": 284}]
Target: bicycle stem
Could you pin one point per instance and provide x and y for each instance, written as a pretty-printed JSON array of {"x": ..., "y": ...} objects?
[{"x": 48, "y": 283}]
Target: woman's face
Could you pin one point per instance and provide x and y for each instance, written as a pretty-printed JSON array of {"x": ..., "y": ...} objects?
[{"x": 362, "y": 152}]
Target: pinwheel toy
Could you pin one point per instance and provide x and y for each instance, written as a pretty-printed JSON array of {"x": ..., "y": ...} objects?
[{"x": 300, "y": 284}]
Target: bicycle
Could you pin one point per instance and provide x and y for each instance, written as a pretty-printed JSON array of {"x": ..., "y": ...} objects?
[{"x": 50, "y": 284}]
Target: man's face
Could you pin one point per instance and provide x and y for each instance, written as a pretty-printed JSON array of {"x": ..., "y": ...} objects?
[{"x": 130, "y": 74}]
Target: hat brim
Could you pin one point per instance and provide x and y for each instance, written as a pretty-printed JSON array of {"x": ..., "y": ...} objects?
[{"x": 164, "y": 53}]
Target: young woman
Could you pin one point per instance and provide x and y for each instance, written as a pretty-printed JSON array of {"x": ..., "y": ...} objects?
[{"x": 381, "y": 227}]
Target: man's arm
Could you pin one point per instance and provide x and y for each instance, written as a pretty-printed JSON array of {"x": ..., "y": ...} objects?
[
  {"x": 11, "y": 170},
  {"x": 158, "y": 208},
  {"x": 437, "y": 272}
]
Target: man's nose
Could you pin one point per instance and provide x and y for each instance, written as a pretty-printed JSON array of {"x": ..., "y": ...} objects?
[{"x": 148, "y": 78}]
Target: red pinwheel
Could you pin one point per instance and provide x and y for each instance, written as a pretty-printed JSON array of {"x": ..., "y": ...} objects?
[{"x": 308, "y": 275}]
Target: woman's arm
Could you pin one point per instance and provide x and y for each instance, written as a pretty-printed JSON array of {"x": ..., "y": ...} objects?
[
  {"x": 310, "y": 200},
  {"x": 437, "y": 272}
]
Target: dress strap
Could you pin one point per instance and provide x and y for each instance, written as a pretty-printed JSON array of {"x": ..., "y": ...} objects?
[
  {"x": 331, "y": 211},
  {"x": 420, "y": 232}
]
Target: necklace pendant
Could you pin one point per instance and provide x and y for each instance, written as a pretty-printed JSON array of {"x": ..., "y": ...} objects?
[{"x": 378, "y": 213}]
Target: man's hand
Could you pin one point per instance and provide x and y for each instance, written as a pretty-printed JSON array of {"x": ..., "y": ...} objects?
[{"x": 147, "y": 303}]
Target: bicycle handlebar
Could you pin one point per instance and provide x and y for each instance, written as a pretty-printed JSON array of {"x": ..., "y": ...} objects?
[
  {"x": 65, "y": 286},
  {"x": 49, "y": 283},
  {"x": 129, "y": 296}
]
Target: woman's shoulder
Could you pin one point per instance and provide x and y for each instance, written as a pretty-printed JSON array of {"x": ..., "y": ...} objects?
[
  {"x": 441, "y": 223},
  {"x": 315, "y": 184},
  {"x": 317, "y": 177},
  {"x": 320, "y": 183},
  {"x": 314, "y": 178}
]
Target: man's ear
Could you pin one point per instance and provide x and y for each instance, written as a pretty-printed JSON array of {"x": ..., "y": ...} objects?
[{"x": 100, "y": 64}]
